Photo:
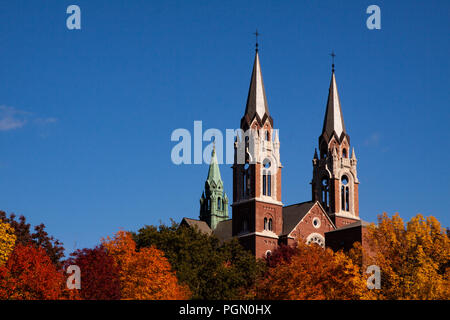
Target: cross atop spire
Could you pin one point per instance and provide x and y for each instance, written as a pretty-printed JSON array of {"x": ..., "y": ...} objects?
[
  {"x": 256, "y": 33},
  {"x": 332, "y": 60}
]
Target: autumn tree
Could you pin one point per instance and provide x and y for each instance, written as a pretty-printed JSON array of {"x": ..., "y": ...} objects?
[
  {"x": 314, "y": 273},
  {"x": 7, "y": 241},
  {"x": 29, "y": 274},
  {"x": 39, "y": 237},
  {"x": 211, "y": 270},
  {"x": 282, "y": 254},
  {"x": 414, "y": 259},
  {"x": 99, "y": 274},
  {"x": 143, "y": 273}
]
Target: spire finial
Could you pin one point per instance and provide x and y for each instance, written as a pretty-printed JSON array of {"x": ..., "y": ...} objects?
[
  {"x": 332, "y": 60},
  {"x": 256, "y": 33}
]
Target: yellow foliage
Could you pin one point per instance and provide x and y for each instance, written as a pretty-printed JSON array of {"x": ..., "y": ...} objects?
[
  {"x": 414, "y": 259},
  {"x": 7, "y": 241}
]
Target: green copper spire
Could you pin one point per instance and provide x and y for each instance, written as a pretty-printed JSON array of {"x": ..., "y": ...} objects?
[
  {"x": 214, "y": 200},
  {"x": 214, "y": 172}
]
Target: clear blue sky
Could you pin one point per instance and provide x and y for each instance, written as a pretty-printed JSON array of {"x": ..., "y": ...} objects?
[{"x": 86, "y": 116}]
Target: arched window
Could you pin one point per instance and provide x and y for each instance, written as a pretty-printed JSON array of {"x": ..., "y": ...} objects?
[
  {"x": 270, "y": 224},
  {"x": 219, "y": 204},
  {"x": 209, "y": 204},
  {"x": 345, "y": 194},
  {"x": 325, "y": 193},
  {"x": 267, "y": 135},
  {"x": 267, "y": 179},
  {"x": 265, "y": 223},
  {"x": 344, "y": 153},
  {"x": 316, "y": 238},
  {"x": 246, "y": 181},
  {"x": 347, "y": 200}
]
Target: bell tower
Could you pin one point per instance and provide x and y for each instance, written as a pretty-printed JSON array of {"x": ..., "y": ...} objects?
[
  {"x": 335, "y": 181},
  {"x": 257, "y": 206}
]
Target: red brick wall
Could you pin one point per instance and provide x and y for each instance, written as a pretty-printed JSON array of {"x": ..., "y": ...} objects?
[
  {"x": 306, "y": 227},
  {"x": 342, "y": 221}
]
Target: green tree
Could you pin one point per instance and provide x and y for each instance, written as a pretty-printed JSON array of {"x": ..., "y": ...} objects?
[{"x": 211, "y": 270}]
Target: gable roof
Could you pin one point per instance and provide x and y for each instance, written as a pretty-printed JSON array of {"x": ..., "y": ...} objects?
[
  {"x": 223, "y": 230},
  {"x": 293, "y": 214},
  {"x": 201, "y": 225}
]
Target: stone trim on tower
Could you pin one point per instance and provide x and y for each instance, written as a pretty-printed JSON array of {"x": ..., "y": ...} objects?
[{"x": 335, "y": 181}]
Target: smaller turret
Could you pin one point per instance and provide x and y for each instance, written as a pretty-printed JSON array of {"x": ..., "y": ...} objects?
[{"x": 214, "y": 201}]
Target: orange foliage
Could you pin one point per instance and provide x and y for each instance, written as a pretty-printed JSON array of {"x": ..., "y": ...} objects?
[
  {"x": 144, "y": 274},
  {"x": 314, "y": 273}
]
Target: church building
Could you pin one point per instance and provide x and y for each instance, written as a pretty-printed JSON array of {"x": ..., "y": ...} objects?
[{"x": 260, "y": 220}]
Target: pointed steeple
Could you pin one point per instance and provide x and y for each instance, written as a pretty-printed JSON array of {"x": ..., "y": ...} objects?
[
  {"x": 334, "y": 121},
  {"x": 256, "y": 100},
  {"x": 214, "y": 172},
  {"x": 214, "y": 201}
]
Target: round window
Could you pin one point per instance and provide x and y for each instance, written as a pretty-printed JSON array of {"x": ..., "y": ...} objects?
[{"x": 316, "y": 223}]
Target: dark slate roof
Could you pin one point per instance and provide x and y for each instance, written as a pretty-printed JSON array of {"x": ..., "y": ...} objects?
[
  {"x": 360, "y": 223},
  {"x": 293, "y": 214},
  {"x": 201, "y": 225},
  {"x": 223, "y": 230}
]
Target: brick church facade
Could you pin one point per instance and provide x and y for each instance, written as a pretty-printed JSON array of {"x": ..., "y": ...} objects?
[{"x": 260, "y": 220}]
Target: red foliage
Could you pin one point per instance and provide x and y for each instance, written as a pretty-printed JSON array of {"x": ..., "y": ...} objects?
[
  {"x": 99, "y": 274},
  {"x": 282, "y": 254},
  {"x": 29, "y": 274}
]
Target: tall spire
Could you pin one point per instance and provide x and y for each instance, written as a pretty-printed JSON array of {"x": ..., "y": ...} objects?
[
  {"x": 256, "y": 100},
  {"x": 214, "y": 172},
  {"x": 334, "y": 121}
]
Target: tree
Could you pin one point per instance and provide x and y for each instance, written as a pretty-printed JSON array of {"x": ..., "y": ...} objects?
[
  {"x": 7, "y": 241},
  {"x": 414, "y": 259},
  {"x": 314, "y": 273},
  {"x": 282, "y": 254},
  {"x": 29, "y": 274},
  {"x": 39, "y": 238},
  {"x": 211, "y": 270},
  {"x": 99, "y": 274},
  {"x": 144, "y": 274}
]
